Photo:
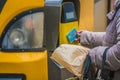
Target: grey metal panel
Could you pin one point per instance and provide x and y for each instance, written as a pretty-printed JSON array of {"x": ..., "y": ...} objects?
[
  {"x": 58, "y": 72},
  {"x": 53, "y": 3},
  {"x": 2, "y": 4},
  {"x": 52, "y": 21}
]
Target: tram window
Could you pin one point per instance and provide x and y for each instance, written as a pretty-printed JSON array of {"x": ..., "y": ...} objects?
[
  {"x": 10, "y": 79},
  {"x": 68, "y": 12},
  {"x": 25, "y": 33}
]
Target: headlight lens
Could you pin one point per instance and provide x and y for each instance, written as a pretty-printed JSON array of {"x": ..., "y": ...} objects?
[{"x": 17, "y": 37}]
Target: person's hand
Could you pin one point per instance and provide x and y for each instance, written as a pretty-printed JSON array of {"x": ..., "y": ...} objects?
[{"x": 78, "y": 36}]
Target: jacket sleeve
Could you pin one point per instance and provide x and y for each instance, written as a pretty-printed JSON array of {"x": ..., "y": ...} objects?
[
  {"x": 92, "y": 39},
  {"x": 113, "y": 54}
]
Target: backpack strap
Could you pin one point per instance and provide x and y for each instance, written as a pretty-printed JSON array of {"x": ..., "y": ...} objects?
[
  {"x": 102, "y": 75},
  {"x": 87, "y": 67}
]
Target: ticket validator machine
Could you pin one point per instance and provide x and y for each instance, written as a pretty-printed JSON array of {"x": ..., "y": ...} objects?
[
  {"x": 22, "y": 52},
  {"x": 61, "y": 16},
  {"x": 69, "y": 20}
]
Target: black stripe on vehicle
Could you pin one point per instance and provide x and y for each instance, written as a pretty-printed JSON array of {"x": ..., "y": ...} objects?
[{"x": 2, "y": 3}]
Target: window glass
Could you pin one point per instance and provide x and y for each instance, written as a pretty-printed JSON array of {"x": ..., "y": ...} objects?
[
  {"x": 10, "y": 79},
  {"x": 25, "y": 33}
]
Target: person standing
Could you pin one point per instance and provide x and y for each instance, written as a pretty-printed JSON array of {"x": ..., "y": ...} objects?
[{"x": 100, "y": 41}]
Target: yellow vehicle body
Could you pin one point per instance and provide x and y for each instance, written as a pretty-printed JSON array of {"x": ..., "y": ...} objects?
[
  {"x": 86, "y": 20},
  {"x": 15, "y": 7},
  {"x": 32, "y": 64}
]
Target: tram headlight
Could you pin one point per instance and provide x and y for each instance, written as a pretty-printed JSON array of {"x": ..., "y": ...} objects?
[{"x": 17, "y": 37}]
